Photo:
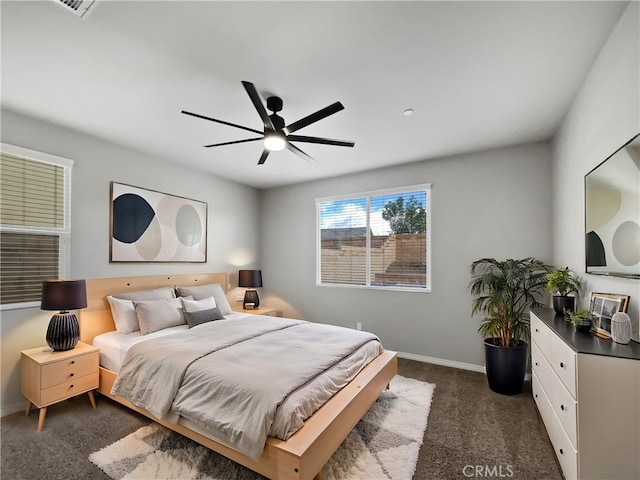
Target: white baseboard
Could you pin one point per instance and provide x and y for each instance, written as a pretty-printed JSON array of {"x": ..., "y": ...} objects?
[
  {"x": 449, "y": 363},
  {"x": 9, "y": 409},
  {"x": 443, "y": 362}
]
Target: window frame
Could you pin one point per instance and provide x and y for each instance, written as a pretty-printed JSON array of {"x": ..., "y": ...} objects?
[
  {"x": 426, "y": 187},
  {"x": 63, "y": 233}
]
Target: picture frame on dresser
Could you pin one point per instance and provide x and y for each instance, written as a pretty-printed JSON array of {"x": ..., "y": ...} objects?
[{"x": 602, "y": 308}]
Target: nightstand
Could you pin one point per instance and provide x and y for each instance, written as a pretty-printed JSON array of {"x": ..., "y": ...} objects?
[
  {"x": 49, "y": 377},
  {"x": 267, "y": 311}
]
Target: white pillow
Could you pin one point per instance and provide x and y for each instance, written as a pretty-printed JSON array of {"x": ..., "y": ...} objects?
[
  {"x": 154, "y": 315},
  {"x": 210, "y": 290},
  {"x": 198, "y": 305},
  {"x": 124, "y": 315}
]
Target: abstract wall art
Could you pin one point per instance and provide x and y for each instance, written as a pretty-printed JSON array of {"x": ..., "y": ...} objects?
[{"x": 150, "y": 226}]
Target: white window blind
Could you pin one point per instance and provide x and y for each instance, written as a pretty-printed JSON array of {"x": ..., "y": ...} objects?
[
  {"x": 34, "y": 223},
  {"x": 376, "y": 239}
]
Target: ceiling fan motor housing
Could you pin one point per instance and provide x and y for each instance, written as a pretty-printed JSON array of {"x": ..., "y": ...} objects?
[{"x": 274, "y": 104}]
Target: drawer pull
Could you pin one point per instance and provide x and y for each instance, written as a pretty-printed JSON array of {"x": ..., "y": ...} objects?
[
  {"x": 536, "y": 364},
  {"x": 561, "y": 452},
  {"x": 71, "y": 374},
  {"x": 537, "y": 330},
  {"x": 561, "y": 365},
  {"x": 71, "y": 386},
  {"x": 73, "y": 362},
  {"x": 562, "y": 407}
]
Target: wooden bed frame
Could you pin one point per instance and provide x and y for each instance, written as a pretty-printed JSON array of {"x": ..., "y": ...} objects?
[{"x": 306, "y": 452}]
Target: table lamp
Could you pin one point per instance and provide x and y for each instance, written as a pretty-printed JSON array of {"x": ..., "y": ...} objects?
[
  {"x": 250, "y": 279},
  {"x": 63, "y": 295}
]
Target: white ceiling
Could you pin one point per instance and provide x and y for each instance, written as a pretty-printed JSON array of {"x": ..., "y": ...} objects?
[{"x": 479, "y": 75}]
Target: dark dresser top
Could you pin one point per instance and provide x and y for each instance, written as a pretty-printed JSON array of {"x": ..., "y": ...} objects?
[{"x": 584, "y": 342}]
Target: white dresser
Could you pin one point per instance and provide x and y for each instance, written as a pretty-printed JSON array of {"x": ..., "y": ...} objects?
[{"x": 587, "y": 391}]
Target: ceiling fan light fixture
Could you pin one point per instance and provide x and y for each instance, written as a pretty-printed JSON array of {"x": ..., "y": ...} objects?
[{"x": 274, "y": 141}]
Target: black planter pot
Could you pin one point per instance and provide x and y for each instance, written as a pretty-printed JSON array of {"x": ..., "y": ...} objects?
[
  {"x": 562, "y": 302},
  {"x": 506, "y": 366},
  {"x": 583, "y": 325}
]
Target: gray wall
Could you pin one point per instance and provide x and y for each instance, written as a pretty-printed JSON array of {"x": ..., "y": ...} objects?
[
  {"x": 489, "y": 204},
  {"x": 605, "y": 115},
  {"x": 232, "y": 223}
]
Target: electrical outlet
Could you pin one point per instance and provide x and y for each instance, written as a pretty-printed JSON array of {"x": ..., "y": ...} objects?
[
  {"x": 239, "y": 298},
  {"x": 359, "y": 326}
]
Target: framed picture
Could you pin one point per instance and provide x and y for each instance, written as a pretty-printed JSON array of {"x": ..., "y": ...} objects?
[
  {"x": 602, "y": 308},
  {"x": 150, "y": 226}
]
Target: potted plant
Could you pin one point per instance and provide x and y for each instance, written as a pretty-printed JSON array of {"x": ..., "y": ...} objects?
[
  {"x": 563, "y": 282},
  {"x": 580, "y": 319},
  {"x": 505, "y": 291}
]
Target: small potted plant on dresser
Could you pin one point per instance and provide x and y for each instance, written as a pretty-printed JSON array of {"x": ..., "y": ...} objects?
[
  {"x": 580, "y": 319},
  {"x": 505, "y": 291},
  {"x": 562, "y": 282}
]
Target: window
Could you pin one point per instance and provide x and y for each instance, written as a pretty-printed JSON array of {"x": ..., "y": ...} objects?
[
  {"x": 34, "y": 223},
  {"x": 377, "y": 239}
]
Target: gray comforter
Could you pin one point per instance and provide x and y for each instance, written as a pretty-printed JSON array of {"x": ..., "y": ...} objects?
[{"x": 229, "y": 376}]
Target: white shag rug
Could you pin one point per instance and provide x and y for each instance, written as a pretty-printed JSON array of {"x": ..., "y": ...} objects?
[{"x": 383, "y": 445}]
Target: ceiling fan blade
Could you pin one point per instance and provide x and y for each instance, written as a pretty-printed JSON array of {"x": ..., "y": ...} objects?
[
  {"x": 222, "y": 122},
  {"x": 235, "y": 141},
  {"x": 314, "y": 117},
  {"x": 300, "y": 153},
  {"x": 257, "y": 102},
  {"x": 323, "y": 141},
  {"x": 263, "y": 157}
]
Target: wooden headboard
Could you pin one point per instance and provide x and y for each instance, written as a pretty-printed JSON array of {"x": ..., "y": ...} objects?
[{"x": 97, "y": 319}]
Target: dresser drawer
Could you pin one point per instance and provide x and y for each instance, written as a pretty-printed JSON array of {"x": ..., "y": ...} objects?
[
  {"x": 563, "y": 361},
  {"x": 565, "y": 408},
  {"x": 542, "y": 368},
  {"x": 542, "y": 402},
  {"x": 562, "y": 446},
  {"x": 541, "y": 335},
  {"x": 566, "y": 454},
  {"x": 56, "y": 373},
  {"x": 70, "y": 388}
]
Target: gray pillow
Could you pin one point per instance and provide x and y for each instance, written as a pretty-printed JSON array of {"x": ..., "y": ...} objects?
[
  {"x": 154, "y": 315},
  {"x": 214, "y": 290},
  {"x": 202, "y": 316}
]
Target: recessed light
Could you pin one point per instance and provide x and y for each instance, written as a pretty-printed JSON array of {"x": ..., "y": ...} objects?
[{"x": 408, "y": 112}]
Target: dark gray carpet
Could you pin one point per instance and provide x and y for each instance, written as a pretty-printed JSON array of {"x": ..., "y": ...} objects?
[{"x": 469, "y": 428}]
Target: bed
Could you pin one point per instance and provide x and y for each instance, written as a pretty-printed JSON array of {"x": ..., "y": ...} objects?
[{"x": 303, "y": 454}]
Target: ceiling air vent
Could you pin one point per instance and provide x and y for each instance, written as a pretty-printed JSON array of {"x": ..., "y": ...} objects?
[{"x": 78, "y": 7}]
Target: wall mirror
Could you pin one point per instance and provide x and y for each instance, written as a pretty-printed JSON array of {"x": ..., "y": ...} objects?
[{"x": 612, "y": 213}]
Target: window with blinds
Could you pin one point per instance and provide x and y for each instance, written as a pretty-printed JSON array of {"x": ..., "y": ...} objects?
[
  {"x": 376, "y": 239},
  {"x": 34, "y": 223}
]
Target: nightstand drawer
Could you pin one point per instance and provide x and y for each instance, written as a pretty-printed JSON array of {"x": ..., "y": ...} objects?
[
  {"x": 68, "y": 369},
  {"x": 70, "y": 388}
]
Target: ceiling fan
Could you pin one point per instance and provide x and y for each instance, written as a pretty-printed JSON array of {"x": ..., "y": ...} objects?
[{"x": 277, "y": 135}]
